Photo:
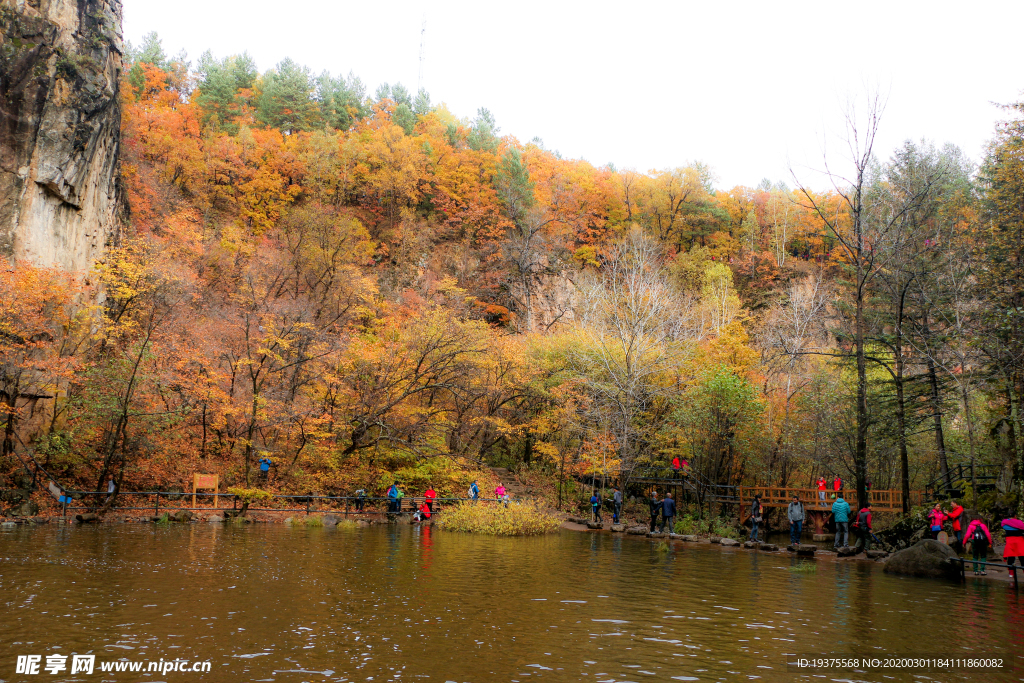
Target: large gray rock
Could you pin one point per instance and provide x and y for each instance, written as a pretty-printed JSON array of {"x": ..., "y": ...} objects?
[
  {"x": 594, "y": 525},
  {"x": 638, "y": 530},
  {"x": 846, "y": 551},
  {"x": 925, "y": 558},
  {"x": 727, "y": 542},
  {"x": 27, "y": 509},
  {"x": 750, "y": 545},
  {"x": 330, "y": 520},
  {"x": 804, "y": 549},
  {"x": 769, "y": 547},
  {"x": 691, "y": 539},
  {"x": 618, "y": 528}
]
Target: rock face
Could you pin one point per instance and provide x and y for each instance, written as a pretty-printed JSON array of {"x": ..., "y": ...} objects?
[
  {"x": 60, "y": 130},
  {"x": 926, "y": 558}
]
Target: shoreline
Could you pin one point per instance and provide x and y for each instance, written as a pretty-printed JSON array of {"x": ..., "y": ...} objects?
[{"x": 994, "y": 575}]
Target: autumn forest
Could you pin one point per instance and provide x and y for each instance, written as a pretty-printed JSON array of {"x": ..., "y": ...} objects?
[{"x": 367, "y": 286}]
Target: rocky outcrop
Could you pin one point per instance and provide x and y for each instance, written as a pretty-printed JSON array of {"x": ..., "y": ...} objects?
[
  {"x": 926, "y": 558},
  {"x": 60, "y": 121}
]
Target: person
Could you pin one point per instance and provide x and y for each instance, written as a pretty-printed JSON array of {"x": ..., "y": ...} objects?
[
  {"x": 1014, "y": 549},
  {"x": 360, "y": 499},
  {"x": 499, "y": 491},
  {"x": 676, "y": 466},
  {"x": 655, "y": 506},
  {"x": 264, "y": 467},
  {"x": 755, "y": 516},
  {"x": 595, "y": 504},
  {"x": 424, "y": 510},
  {"x": 394, "y": 498},
  {"x": 668, "y": 512},
  {"x": 954, "y": 515},
  {"x": 821, "y": 490},
  {"x": 616, "y": 504},
  {"x": 505, "y": 499},
  {"x": 474, "y": 491},
  {"x": 841, "y": 515},
  {"x": 980, "y": 539},
  {"x": 795, "y": 513},
  {"x": 935, "y": 519},
  {"x": 111, "y": 486},
  {"x": 429, "y": 495},
  {"x": 862, "y": 525},
  {"x": 686, "y": 468},
  {"x": 837, "y": 484}
]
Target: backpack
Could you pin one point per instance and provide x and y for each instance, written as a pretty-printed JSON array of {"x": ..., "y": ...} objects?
[{"x": 979, "y": 536}]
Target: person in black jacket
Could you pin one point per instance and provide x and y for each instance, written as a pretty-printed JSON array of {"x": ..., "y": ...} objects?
[
  {"x": 755, "y": 516},
  {"x": 668, "y": 512},
  {"x": 655, "y": 505}
]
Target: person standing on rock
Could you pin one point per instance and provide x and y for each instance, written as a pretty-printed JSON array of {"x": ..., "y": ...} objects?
[
  {"x": 821, "y": 490},
  {"x": 863, "y": 528},
  {"x": 841, "y": 515},
  {"x": 795, "y": 513},
  {"x": 936, "y": 518},
  {"x": 655, "y": 506},
  {"x": 668, "y": 512},
  {"x": 954, "y": 516},
  {"x": 595, "y": 504},
  {"x": 980, "y": 539},
  {"x": 755, "y": 516},
  {"x": 617, "y": 504}
]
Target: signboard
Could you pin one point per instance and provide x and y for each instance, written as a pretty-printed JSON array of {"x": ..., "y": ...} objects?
[{"x": 205, "y": 481}]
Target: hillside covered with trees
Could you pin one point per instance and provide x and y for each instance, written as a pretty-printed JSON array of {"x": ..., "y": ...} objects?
[{"x": 361, "y": 285}]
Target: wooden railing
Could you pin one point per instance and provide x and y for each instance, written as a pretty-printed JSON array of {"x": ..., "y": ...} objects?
[{"x": 778, "y": 496}]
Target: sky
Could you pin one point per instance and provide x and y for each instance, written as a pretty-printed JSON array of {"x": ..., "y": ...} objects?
[{"x": 753, "y": 89}]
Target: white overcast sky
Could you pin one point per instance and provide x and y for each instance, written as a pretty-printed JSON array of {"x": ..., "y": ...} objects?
[{"x": 749, "y": 88}]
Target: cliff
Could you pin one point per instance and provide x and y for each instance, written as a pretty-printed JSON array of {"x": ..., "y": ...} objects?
[{"x": 60, "y": 120}]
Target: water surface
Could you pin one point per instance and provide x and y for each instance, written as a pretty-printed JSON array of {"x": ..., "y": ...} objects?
[{"x": 273, "y": 603}]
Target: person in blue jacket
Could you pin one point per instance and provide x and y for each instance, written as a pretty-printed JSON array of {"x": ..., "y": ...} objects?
[
  {"x": 841, "y": 514},
  {"x": 474, "y": 491},
  {"x": 393, "y": 498},
  {"x": 595, "y": 504}
]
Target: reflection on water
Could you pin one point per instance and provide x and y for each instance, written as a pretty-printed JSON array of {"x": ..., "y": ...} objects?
[{"x": 272, "y": 603}]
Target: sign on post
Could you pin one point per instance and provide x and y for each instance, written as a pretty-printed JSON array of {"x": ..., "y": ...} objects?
[{"x": 205, "y": 481}]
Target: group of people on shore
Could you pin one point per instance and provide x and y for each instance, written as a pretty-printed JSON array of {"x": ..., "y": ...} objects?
[{"x": 978, "y": 536}]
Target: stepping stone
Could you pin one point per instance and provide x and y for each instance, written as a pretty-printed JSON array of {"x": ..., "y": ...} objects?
[
  {"x": 769, "y": 547},
  {"x": 689, "y": 539},
  {"x": 751, "y": 545},
  {"x": 715, "y": 539},
  {"x": 846, "y": 551},
  {"x": 877, "y": 554},
  {"x": 729, "y": 542},
  {"x": 618, "y": 528},
  {"x": 595, "y": 525},
  {"x": 638, "y": 530},
  {"x": 656, "y": 534},
  {"x": 803, "y": 549}
]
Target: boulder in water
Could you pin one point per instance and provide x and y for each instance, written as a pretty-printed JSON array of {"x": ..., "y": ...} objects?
[
  {"x": 595, "y": 525},
  {"x": 804, "y": 549},
  {"x": 637, "y": 530},
  {"x": 846, "y": 551},
  {"x": 330, "y": 520},
  {"x": 618, "y": 528},
  {"x": 925, "y": 558},
  {"x": 183, "y": 516},
  {"x": 751, "y": 545},
  {"x": 769, "y": 547},
  {"x": 728, "y": 542},
  {"x": 214, "y": 518},
  {"x": 690, "y": 539}
]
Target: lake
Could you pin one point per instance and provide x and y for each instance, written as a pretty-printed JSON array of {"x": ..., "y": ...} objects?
[{"x": 402, "y": 603}]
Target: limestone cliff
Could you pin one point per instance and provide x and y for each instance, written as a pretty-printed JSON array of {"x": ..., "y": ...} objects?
[{"x": 60, "y": 120}]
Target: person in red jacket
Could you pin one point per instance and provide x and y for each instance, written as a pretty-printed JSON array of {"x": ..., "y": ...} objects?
[
  {"x": 837, "y": 484},
  {"x": 935, "y": 520},
  {"x": 1014, "y": 548},
  {"x": 954, "y": 515},
  {"x": 676, "y": 466},
  {"x": 821, "y": 491},
  {"x": 980, "y": 539},
  {"x": 862, "y": 525},
  {"x": 430, "y": 494}
]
